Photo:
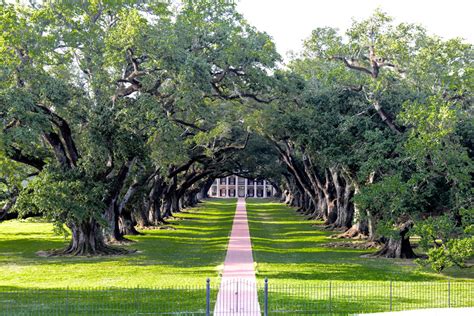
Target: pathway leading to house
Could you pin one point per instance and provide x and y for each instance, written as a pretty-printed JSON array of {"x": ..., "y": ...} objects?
[{"x": 238, "y": 290}]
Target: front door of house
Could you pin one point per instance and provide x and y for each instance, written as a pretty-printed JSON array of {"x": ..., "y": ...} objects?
[{"x": 241, "y": 191}]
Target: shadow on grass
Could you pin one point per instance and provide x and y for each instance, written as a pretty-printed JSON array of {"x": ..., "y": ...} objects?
[
  {"x": 287, "y": 247},
  {"x": 194, "y": 249}
]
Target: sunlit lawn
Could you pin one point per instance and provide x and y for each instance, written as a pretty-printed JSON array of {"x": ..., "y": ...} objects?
[
  {"x": 184, "y": 257},
  {"x": 187, "y": 255},
  {"x": 168, "y": 273},
  {"x": 304, "y": 273}
]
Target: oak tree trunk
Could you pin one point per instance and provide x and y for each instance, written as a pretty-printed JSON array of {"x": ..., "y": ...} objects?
[
  {"x": 127, "y": 223},
  {"x": 398, "y": 247},
  {"x": 88, "y": 240},
  {"x": 331, "y": 212},
  {"x": 345, "y": 210},
  {"x": 112, "y": 214},
  {"x": 203, "y": 192},
  {"x": 8, "y": 206}
]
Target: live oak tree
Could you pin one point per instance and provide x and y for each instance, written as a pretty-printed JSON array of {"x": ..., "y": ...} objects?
[
  {"x": 56, "y": 101},
  {"x": 118, "y": 114},
  {"x": 91, "y": 88},
  {"x": 391, "y": 68},
  {"x": 323, "y": 126}
]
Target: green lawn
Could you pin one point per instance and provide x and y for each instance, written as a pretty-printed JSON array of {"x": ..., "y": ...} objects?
[
  {"x": 168, "y": 273},
  {"x": 184, "y": 257},
  {"x": 305, "y": 275}
]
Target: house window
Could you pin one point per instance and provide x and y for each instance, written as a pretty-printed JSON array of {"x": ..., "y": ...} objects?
[
  {"x": 259, "y": 192},
  {"x": 223, "y": 180},
  {"x": 214, "y": 190},
  {"x": 250, "y": 181},
  {"x": 241, "y": 181},
  {"x": 222, "y": 193},
  {"x": 259, "y": 182},
  {"x": 232, "y": 180},
  {"x": 231, "y": 192}
]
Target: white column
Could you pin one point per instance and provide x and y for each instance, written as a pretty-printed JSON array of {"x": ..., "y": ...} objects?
[
  {"x": 254, "y": 188},
  {"x": 264, "y": 188},
  {"x": 227, "y": 187},
  {"x": 218, "y": 189},
  {"x": 236, "y": 186},
  {"x": 246, "y": 180}
]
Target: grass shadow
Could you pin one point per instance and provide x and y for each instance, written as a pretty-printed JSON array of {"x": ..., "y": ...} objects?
[
  {"x": 189, "y": 254},
  {"x": 287, "y": 248}
]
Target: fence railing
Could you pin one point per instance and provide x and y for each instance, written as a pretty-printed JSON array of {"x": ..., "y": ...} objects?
[
  {"x": 322, "y": 298},
  {"x": 350, "y": 298}
]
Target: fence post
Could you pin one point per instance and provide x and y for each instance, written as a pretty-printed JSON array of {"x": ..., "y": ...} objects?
[
  {"x": 67, "y": 300},
  {"x": 330, "y": 297},
  {"x": 208, "y": 297},
  {"x": 391, "y": 295},
  {"x": 265, "y": 300},
  {"x": 449, "y": 292}
]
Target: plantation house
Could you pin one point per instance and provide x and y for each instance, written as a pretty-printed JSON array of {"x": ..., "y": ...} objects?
[{"x": 235, "y": 186}]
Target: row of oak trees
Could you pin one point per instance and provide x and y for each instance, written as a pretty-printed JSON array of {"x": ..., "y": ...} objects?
[{"x": 119, "y": 114}]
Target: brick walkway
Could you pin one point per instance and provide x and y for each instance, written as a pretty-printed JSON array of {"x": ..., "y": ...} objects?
[{"x": 238, "y": 291}]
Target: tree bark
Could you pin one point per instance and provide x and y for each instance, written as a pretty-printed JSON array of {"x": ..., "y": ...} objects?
[
  {"x": 88, "y": 240},
  {"x": 299, "y": 175},
  {"x": 175, "y": 204},
  {"x": 385, "y": 118},
  {"x": 127, "y": 223},
  {"x": 154, "y": 202},
  {"x": 203, "y": 192},
  {"x": 345, "y": 209},
  {"x": 359, "y": 228},
  {"x": 400, "y": 246},
  {"x": 112, "y": 214},
  {"x": 140, "y": 213},
  {"x": 166, "y": 205},
  {"x": 330, "y": 201},
  {"x": 8, "y": 205}
]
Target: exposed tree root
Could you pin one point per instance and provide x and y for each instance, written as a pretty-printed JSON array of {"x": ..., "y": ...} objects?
[
  {"x": 132, "y": 231},
  {"x": 395, "y": 250},
  {"x": 351, "y": 233},
  {"x": 353, "y": 245},
  {"x": 121, "y": 241},
  {"x": 398, "y": 247},
  {"x": 315, "y": 217},
  {"x": 174, "y": 219},
  {"x": 158, "y": 227},
  {"x": 86, "y": 252},
  {"x": 165, "y": 227}
]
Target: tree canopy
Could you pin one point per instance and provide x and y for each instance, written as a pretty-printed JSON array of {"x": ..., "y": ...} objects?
[{"x": 117, "y": 114}]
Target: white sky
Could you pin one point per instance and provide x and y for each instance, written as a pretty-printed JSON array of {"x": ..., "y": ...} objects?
[{"x": 291, "y": 21}]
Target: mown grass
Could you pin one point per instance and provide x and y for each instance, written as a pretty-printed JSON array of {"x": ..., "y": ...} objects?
[
  {"x": 184, "y": 257},
  {"x": 306, "y": 275},
  {"x": 168, "y": 273}
]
